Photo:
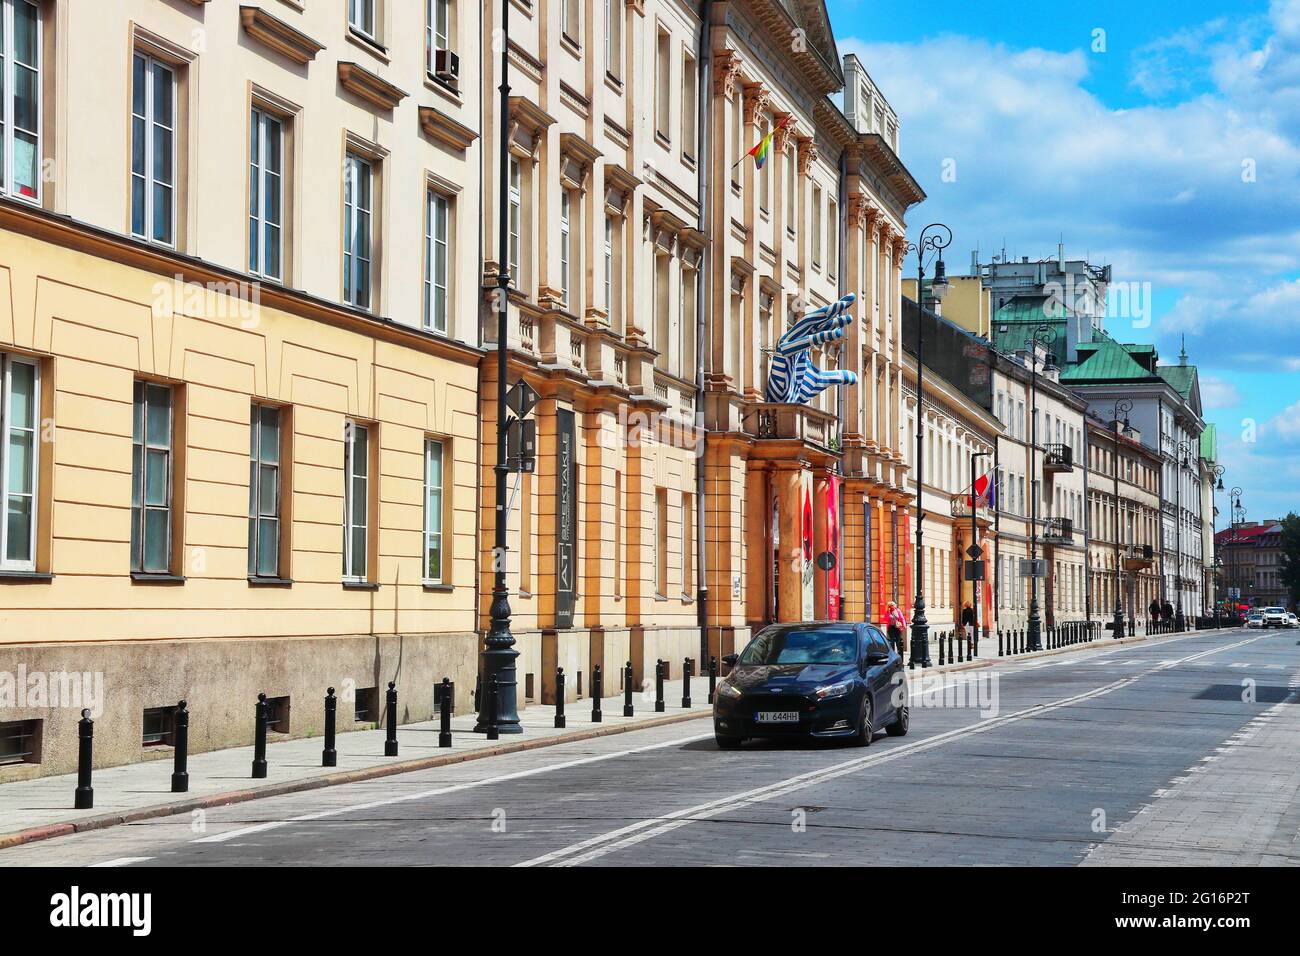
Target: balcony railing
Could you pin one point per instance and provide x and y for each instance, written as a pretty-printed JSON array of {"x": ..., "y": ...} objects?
[
  {"x": 768, "y": 420},
  {"x": 1058, "y": 531},
  {"x": 1058, "y": 458},
  {"x": 1138, "y": 557}
]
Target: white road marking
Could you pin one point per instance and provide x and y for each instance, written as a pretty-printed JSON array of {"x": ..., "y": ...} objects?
[
  {"x": 615, "y": 840},
  {"x": 123, "y": 861}
]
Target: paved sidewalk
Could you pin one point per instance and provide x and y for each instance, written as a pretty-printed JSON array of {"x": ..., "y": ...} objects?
[{"x": 41, "y": 808}]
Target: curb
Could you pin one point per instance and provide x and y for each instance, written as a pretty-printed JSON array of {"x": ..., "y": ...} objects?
[{"x": 106, "y": 820}]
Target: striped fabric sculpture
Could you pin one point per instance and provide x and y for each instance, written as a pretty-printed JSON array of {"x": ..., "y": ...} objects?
[{"x": 793, "y": 378}]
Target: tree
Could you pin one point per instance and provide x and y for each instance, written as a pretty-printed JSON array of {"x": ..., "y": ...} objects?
[{"x": 1291, "y": 555}]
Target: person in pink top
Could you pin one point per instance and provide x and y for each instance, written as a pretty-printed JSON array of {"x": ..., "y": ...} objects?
[{"x": 896, "y": 627}]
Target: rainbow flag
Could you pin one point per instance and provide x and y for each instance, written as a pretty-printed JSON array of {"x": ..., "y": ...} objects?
[{"x": 764, "y": 145}]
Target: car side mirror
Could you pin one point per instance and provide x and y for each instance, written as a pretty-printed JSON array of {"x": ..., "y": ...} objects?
[
  {"x": 877, "y": 657},
  {"x": 730, "y": 659}
]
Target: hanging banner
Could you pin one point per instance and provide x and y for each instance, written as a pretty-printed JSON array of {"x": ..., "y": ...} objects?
[
  {"x": 566, "y": 518},
  {"x": 833, "y": 546},
  {"x": 806, "y": 541}
]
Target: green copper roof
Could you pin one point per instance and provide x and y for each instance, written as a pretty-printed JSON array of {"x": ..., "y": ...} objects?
[
  {"x": 1181, "y": 377},
  {"x": 1014, "y": 323},
  {"x": 1111, "y": 362},
  {"x": 1210, "y": 442}
]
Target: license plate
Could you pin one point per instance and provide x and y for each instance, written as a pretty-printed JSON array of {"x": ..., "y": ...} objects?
[{"x": 777, "y": 717}]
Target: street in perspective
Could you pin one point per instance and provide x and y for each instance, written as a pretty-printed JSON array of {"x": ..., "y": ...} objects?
[{"x": 643, "y": 434}]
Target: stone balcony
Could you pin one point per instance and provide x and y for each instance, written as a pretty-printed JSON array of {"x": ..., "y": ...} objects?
[{"x": 768, "y": 421}]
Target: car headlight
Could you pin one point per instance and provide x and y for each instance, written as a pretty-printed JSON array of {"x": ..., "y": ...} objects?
[
  {"x": 834, "y": 690},
  {"x": 729, "y": 690}
]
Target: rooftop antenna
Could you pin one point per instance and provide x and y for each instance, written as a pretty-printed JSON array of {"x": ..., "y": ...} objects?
[{"x": 1182, "y": 355}]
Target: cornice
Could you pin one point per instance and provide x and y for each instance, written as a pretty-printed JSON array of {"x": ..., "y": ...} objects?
[
  {"x": 372, "y": 88},
  {"x": 278, "y": 35}
]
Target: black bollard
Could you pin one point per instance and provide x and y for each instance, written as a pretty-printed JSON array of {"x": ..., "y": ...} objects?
[
  {"x": 962, "y": 639},
  {"x": 444, "y": 714},
  {"x": 597, "y": 689},
  {"x": 329, "y": 757},
  {"x": 659, "y": 687},
  {"x": 259, "y": 739},
  {"x": 628, "y": 710},
  {"x": 687, "y": 670},
  {"x": 999, "y": 642},
  {"x": 713, "y": 678},
  {"x": 390, "y": 742},
  {"x": 181, "y": 749},
  {"x": 478, "y": 692},
  {"x": 559, "y": 698},
  {"x": 494, "y": 702},
  {"x": 942, "y": 659},
  {"x": 84, "y": 797}
]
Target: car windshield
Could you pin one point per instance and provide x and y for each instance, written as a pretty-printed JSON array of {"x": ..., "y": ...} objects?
[{"x": 828, "y": 645}]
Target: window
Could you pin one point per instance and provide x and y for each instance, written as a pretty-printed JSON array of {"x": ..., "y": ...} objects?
[
  {"x": 816, "y": 226},
  {"x": 764, "y": 174},
  {"x": 564, "y": 248},
  {"x": 661, "y": 541},
  {"x": 663, "y": 68},
  {"x": 686, "y": 322},
  {"x": 265, "y": 194},
  {"x": 435, "y": 262},
  {"x": 153, "y": 150},
  {"x": 614, "y": 38},
  {"x": 19, "y": 450},
  {"x": 358, "y": 183},
  {"x": 688, "y": 106},
  {"x": 20, "y": 741},
  {"x": 570, "y": 22},
  {"x": 264, "y": 492},
  {"x": 791, "y": 190},
  {"x": 356, "y": 500},
  {"x": 609, "y": 268},
  {"x": 151, "y": 479},
  {"x": 433, "y": 472},
  {"x": 516, "y": 200},
  {"x": 361, "y": 17},
  {"x": 688, "y": 547},
  {"x": 20, "y": 113},
  {"x": 832, "y": 239},
  {"x": 159, "y": 724},
  {"x": 437, "y": 31},
  {"x": 619, "y": 507}
]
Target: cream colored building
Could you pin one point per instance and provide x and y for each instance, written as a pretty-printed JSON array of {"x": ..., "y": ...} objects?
[{"x": 239, "y": 342}]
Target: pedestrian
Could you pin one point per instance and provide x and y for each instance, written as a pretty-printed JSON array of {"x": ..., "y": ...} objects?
[
  {"x": 1154, "y": 611},
  {"x": 968, "y": 622},
  {"x": 1167, "y": 612},
  {"x": 896, "y": 627}
]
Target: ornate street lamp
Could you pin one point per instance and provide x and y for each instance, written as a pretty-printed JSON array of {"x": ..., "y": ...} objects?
[
  {"x": 1122, "y": 407},
  {"x": 1184, "y": 452},
  {"x": 1044, "y": 335},
  {"x": 497, "y": 713},
  {"x": 1218, "y": 564},
  {"x": 934, "y": 238}
]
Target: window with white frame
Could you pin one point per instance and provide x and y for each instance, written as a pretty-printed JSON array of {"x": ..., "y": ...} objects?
[
  {"x": 437, "y": 31},
  {"x": 153, "y": 150},
  {"x": 20, "y": 112},
  {"x": 151, "y": 479},
  {"x": 688, "y": 105},
  {"x": 361, "y": 17},
  {"x": 264, "y": 492},
  {"x": 686, "y": 321},
  {"x": 356, "y": 500},
  {"x": 663, "y": 68},
  {"x": 565, "y": 249},
  {"x": 265, "y": 194},
  {"x": 20, "y": 380},
  {"x": 832, "y": 238},
  {"x": 614, "y": 38},
  {"x": 437, "y": 227},
  {"x": 516, "y": 210},
  {"x": 661, "y": 542},
  {"x": 433, "y": 502},
  {"x": 570, "y": 19},
  {"x": 358, "y": 193},
  {"x": 609, "y": 268},
  {"x": 816, "y": 226}
]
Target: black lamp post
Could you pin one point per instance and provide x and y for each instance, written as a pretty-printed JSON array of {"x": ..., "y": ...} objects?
[
  {"x": 1184, "y": 451},
  {"x": 1044, "y": 335},
  {"x": 1122, "y": 407},
  {"x": 974, "y": 539},
  {"x": 934, "y": 238},
  {"x": 1218, "y": 565},
  {"x": 1236, "y": 515},
  {"x": 497, "y": 711}
]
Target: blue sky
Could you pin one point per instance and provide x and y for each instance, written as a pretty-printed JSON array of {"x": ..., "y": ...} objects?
[{"x": 1162, "y": 138}]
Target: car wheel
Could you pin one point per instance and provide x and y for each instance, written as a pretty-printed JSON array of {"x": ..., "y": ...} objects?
[
  {"x": 900, "y": 724},
  {"x": 727, "y": 743},
  {"x": 865, "y": 726}
]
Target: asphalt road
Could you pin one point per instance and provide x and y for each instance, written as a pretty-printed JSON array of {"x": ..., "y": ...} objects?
[{"x": 1182, "y": 750}]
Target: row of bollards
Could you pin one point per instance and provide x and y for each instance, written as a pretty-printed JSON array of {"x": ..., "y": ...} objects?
[
  {"x": 1015, "y": 641},
  {"x": 84, "y": 796}
]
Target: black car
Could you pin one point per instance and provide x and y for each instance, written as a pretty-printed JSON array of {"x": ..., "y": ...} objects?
[{"x": 815, "y": 679}]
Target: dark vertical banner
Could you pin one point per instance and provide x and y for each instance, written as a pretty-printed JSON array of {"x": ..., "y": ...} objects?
[{"x": 566, "y": 517}]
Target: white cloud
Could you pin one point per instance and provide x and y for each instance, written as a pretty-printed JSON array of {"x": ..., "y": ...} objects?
[{"x": 1218, "y": 393}]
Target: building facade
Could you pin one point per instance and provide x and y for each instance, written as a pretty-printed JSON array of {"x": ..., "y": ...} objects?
[{"x": 1251, "y": 554}]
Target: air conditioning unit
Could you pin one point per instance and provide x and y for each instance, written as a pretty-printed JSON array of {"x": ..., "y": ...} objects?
[{"x": 446, "y": 65}]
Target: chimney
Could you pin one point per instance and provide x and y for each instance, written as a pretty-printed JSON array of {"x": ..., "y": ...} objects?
[{"x": 1060, "y": 255}]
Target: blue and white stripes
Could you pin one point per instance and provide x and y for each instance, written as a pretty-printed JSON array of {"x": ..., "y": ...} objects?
[{"x": 793, "y": 379}]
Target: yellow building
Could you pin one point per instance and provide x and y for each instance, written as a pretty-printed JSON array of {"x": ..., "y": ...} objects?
[{"x": 241, "y": 385}]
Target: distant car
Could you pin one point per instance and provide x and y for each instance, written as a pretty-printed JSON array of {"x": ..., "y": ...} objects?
[
  {"x": 817, "y": 679},
  {"x": 1254, "y": 619},
  {"x": 1275, "y": 617},
  {"x": 1292, "y": 620}
]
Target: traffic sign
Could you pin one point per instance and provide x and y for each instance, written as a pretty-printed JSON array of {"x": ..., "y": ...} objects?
[
  {"x": 975, "y": 552},
  {"x": 521, "y": 398}
]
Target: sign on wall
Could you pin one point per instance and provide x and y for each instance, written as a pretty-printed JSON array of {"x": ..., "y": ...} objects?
[{"x": 566, "y": 517}]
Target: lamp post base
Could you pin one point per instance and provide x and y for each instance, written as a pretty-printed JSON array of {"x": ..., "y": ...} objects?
[
  {"x": 1034, "y": 637},
  {"x": 920, "y": 636}
]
